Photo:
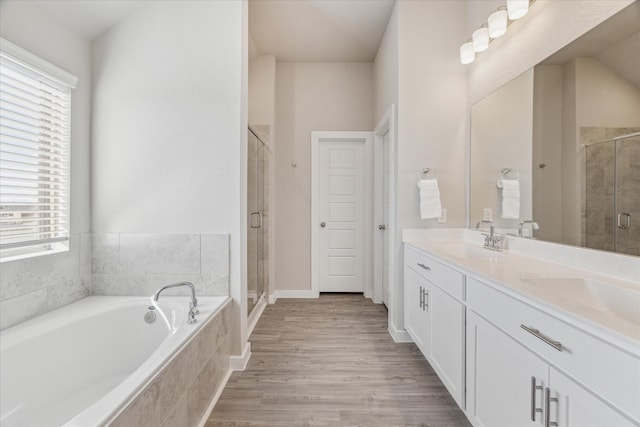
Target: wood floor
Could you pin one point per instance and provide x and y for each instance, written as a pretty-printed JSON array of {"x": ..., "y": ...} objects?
[{"x": 331, "y": 362}]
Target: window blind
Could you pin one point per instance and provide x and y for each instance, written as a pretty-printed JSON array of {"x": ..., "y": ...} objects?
[{"x": 35, "y": 109}]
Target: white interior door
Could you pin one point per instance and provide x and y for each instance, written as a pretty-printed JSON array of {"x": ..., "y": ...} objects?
[
  {"x": 341, "y": 198},
  {"x": 386, "y": 195}
]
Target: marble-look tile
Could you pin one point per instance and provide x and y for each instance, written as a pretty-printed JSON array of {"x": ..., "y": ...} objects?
[
  {"x": 23, "y": 307},
  {"x": 119, "y": 285},
  {"x": 105, "y": 255},
  {"x": 215, "y": 254},
  {"x": 205, "y": 285},
  {"x": 160, "y": 253},
  {"x": 178, "y": 415},
  {"x": 67, "y": 292},
  {"x": 202, "y": 393},
  {"x": 27, "y": 275},
  {"x": 144, "y": 411},
  {"x": 85, "y": 255}
]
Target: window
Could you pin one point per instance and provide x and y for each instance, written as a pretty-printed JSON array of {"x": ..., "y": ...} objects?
[{"x": 35, "y": 110}]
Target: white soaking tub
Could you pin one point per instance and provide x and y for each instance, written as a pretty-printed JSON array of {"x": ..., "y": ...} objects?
[{"x": 81, "y": 364}]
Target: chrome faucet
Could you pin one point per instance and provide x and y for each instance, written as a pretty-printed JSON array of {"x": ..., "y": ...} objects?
[
  {"x": 193, "y": 304},
  {"x": 491, "y": 241},
  {"x": 534, "y": 226}
]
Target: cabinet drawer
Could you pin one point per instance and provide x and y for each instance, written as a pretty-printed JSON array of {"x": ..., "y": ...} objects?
[
  {"x": 445, "y": 277},
  {"x": 605, "y": 370}
]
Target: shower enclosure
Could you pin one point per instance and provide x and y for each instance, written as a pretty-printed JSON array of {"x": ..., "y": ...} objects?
[
  {"x": 257, "y": 220},
  {"x": 612, "y": 195}
]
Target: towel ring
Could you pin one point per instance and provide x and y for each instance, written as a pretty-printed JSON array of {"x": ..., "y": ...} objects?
[
  {"x": 425, "y": 174},
  {"x": 507, "y": 173}
]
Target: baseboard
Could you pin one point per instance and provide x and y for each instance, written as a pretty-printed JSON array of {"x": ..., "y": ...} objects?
[
  {"x": 255, "y": 315},
  {"x": 399, "y": 335},
  {"x": 216, "y": 396},
  {"x": 294, "y": 294},
  {"x": 273, "y": 298},
  {"x": 238, "y": 363}
]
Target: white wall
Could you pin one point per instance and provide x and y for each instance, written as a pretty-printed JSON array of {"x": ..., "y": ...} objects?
[
  {"x": 169, "y": 127},
  {"x": 262, "y": 90},
  {"x": 385, "y": 69},
  {"x": 310, "y": 97},
  {"x": 34, "y": 286}
]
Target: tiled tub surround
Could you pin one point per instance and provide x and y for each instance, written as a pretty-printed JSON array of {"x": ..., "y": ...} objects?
[
  {"x": 168, "y": 375},
  {"x": 138, "y": 264},
  {"x": 34, "y": 286}
]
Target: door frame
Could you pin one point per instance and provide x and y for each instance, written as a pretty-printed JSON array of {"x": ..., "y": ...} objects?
[
  {"x": 384, "y": 126},
  {"x": 317, "y": 138}
]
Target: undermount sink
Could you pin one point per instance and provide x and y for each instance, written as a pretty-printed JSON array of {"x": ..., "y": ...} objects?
[
  {"x": 623, "y": 303},
  {"x": 461, "y": 250}
]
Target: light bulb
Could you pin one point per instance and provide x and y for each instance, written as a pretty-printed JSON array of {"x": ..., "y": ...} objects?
[
  {"x": 467, "y": 54},
  {"x": 498, "y": 23},
  {"x": 481, "y": 39},
  {"x": 517, "y": 8}
]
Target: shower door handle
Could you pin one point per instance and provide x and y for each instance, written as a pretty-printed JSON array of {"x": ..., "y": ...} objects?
[
  {"x": 627, "y": 222},
  {"x": 253, "y": 215}
]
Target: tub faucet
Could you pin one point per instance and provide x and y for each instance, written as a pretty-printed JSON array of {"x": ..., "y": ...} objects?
[{"x": 193, "y": 304}]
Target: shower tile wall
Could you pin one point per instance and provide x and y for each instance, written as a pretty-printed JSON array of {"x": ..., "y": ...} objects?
[
  {"x": 34, "y": 286},
  {"x": 599, "y": 187},
  {"x": 138, "y": 264}
]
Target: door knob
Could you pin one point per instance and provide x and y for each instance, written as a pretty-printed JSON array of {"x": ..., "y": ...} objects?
[
  {"x": 323, "y": 224},
  {"x": 382, "y": 227}
]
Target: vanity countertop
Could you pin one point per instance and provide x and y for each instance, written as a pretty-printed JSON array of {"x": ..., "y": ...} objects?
[{"x": 605, "y": 306}]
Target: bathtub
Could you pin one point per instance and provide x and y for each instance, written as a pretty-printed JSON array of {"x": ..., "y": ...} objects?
[{"x": 81, "y": 365}]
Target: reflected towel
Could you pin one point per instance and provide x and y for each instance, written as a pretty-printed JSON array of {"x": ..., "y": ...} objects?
[
  {"x": 429, "y": 199},
  {"x": 510, "y": 198}
]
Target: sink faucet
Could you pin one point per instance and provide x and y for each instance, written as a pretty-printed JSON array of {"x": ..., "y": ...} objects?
[
  {"x": 491, "y": 241},
  {"x": 534, "y": 226},
  {"x": 193, "y": 304}
]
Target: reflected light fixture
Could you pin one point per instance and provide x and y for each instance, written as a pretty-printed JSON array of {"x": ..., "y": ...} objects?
[
  {"x": 467, "y": 54},
  {"x": 498, "y": 23},
  {"x": 517, "y": 8},
  {"x": 481, "y": 38}
]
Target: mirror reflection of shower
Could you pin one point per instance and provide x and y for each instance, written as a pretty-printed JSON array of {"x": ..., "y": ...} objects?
[{"x": 612, "y": 192}]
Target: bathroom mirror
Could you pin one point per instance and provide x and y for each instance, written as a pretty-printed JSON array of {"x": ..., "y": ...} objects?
[{"x": 568, "y": 131}]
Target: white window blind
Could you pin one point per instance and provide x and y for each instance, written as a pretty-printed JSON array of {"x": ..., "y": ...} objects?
[{"x": 35, "y": 109}]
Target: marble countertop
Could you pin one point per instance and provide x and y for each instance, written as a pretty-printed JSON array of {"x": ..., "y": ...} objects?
[{"x": 599, "y": 303}]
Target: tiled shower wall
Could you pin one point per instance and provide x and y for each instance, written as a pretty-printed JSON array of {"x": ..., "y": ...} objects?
[
  {"x": 33, "y": 286},
  {"x": 112, "y": 264}
]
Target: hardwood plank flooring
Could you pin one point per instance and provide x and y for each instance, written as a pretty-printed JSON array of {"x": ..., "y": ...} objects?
[{"x": 331, "y": 362}]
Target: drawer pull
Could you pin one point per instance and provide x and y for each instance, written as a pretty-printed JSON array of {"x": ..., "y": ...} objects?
[
  {"x": 548, "y": 399},
  {"x": 421, "y": 298},
  {"x": 424, "y": 266},
  {"x": 534, "y": 389},
  {"x": 555, "y": 344}
]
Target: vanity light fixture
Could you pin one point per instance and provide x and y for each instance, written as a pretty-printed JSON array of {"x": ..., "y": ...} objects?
[
  {"x": 496, "y": 27},
  {"x": 481, "y": 38},
  {"x": 467, "y": 54},
  {"x": 498, "y": 23},
  {"x": 517, "y": 8}
]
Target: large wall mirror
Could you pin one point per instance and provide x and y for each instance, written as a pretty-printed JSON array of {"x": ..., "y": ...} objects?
[{"x": 560, "y": 144}]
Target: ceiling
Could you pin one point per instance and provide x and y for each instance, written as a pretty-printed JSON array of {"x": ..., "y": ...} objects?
[
  {"x": 90, "y": 18},
  {"x": 319, "y": 30}
]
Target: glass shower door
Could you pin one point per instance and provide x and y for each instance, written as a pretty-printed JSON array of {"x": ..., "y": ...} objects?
[{"x": 627, "y": 195}]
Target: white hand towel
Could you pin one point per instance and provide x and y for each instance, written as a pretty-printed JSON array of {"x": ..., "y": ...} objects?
[
  {"x": 429, "y": 199},
  {"x": 510, "y": 198}
]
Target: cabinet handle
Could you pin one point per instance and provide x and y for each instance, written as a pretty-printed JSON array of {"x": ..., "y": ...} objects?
[
  {"x": 421, "y": 298},
  {"x": 424, "y": 266},
  {"x": 426, "y": 299},
  {"x": 534, "y": 389},
  {"x": 536, "y": 333},
  {"x": 548, "y": 399}
]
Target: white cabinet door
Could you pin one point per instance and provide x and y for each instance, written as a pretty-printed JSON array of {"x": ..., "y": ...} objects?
[
  {"x": 446, "y": 316},
  {"x": 499, "y": 372},
  {"x": 577, "y": 407},
  {"x": 415, "y": 313}
]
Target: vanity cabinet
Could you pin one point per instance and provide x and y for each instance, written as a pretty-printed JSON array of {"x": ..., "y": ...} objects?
[
  {"x": 434, "y": 316},
  {"x": 518, "y": 375}
]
